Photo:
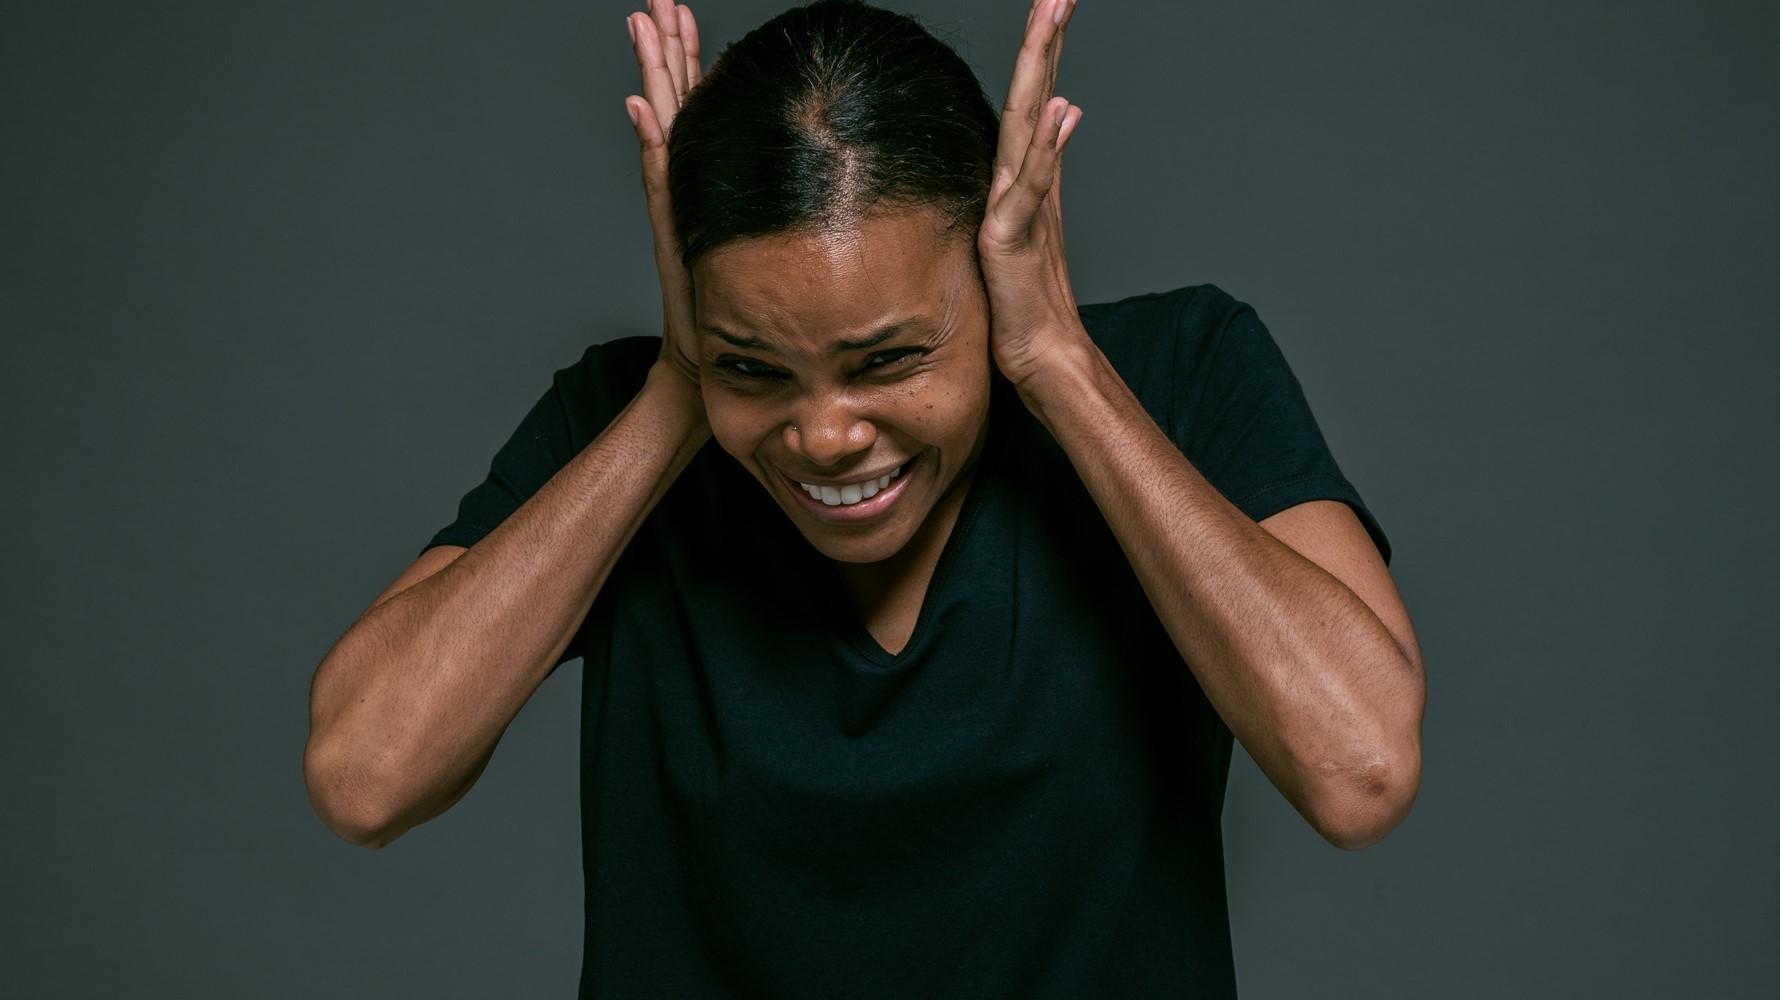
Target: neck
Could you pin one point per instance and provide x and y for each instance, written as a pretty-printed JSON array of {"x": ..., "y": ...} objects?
[{"x": 887, "y": 595}]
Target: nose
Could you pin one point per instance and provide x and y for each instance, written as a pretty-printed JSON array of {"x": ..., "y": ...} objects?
[{"x": 827, "y": 431}]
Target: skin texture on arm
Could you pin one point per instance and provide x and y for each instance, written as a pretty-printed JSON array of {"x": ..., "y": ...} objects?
[
  {"x": 1292, "y": 627},
  {"x": 407, "y": 708}
]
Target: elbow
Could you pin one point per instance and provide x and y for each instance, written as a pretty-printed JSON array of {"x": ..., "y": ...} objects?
[
  {"x": 1369, "y": 801},
  {"x": 345, "y": 802},
  {"x": 1366, "y": 793}
]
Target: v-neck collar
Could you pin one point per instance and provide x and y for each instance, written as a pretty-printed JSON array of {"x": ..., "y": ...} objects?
[
  {"x": 851, "y": 625},
  {"x": 848, "y": 622}
]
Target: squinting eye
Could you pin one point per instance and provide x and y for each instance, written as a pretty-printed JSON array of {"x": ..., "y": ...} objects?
[
  {"x": 882, "y": 358},
  {"x": 746, "y": 367}
]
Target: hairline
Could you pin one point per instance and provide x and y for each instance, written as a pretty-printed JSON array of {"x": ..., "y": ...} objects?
[{"x": 850, "y": 216}]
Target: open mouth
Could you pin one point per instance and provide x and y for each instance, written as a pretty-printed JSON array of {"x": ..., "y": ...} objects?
[
  {"x": 853, "y": 501},
  {"x": 851, "y": 493}
]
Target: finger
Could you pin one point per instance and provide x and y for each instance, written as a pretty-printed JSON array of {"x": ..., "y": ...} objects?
[
  {"x": 667, "y": 28},
  {"x": 1069, "y": 123},
  {"x": 675, "y": 288},
  {"x": 1070, "y": 118},
  {"x": 689, "y": 42},
  {"x": 1035, "y": 75},
  {"x": 1012, "y": 214},
  {"x": 1055, "y": 54},
  {"x": 658, "y": 82},
  {"x": 653, "y": 140},
  {"x": 1026, "y": 91}
]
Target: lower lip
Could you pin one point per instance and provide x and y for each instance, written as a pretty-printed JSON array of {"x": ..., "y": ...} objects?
[{"x": 864, "y": 510}]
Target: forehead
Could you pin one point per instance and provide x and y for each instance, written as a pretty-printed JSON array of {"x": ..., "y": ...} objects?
[{"x": 816, "y": 286}]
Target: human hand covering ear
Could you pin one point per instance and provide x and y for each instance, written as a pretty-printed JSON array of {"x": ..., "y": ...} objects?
[
  {"x": 665, "y": 39},
  {"x": 1032, "y": 308}
]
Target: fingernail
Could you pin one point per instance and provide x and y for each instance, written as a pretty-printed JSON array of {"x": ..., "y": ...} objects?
[
  {"x": 1062, "y": 9},
  {"x": 631, "y": 110},
  {"x": 631, "y": 26}
]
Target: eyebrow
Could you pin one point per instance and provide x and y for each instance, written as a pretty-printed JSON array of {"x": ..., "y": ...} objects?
[{"x": 840, "y": 347}]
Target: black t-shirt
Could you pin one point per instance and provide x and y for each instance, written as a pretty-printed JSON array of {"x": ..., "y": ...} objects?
[{"x": 1024, "y": 802}]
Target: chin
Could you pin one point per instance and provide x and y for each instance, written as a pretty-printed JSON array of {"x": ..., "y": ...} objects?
[
  {"x": 880, "y": 546},
  {"x": 856, "y": 533},
  {"x": 856, "y": 544}
]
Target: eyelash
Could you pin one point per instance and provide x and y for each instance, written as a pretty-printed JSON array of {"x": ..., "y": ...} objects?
[
  {"x": 895, "y": 354},
  {"x": 740, "y": 367}
]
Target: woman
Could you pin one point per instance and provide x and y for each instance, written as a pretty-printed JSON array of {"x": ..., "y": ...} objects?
[{"x": 919, "y": 606}]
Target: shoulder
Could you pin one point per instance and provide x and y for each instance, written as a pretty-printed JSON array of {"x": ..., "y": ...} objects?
[
  {"x": 615, "y": 364},
  {"x": 1175, "y": 328},
  {"x": 1157, "y": 340},
  {"x": 599, "y": 384},
  {"x": 1181, "y": 317}
]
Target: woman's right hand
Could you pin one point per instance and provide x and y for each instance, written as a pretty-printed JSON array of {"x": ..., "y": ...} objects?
[{"x": 665, "y": 40}]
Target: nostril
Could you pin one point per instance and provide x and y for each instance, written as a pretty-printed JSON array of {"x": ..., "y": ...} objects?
[{"x": 828, "y": 432}]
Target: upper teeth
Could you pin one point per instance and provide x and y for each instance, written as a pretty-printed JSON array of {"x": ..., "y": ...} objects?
[{"x": 835, "y": 496}]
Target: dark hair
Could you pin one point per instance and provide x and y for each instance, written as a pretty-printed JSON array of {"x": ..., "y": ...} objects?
[{"x": 819, "y": 115}]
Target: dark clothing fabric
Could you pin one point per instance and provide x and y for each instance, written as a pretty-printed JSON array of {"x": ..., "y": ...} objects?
[{"x": 1024, "y": 802}]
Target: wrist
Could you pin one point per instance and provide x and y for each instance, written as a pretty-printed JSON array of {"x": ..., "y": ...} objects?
[
  {"x": 1069, "y": 367},
  {"x": 678, "y": 393}
]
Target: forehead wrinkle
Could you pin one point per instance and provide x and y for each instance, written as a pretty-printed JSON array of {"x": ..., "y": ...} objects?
[
  {"x": 806, "y": 292},
  {"x": 736, "y": 340},
  {"x": 932, "y": 332},
  {"x": 751, "y": 317},
  {"x": 768, "y": 318}
]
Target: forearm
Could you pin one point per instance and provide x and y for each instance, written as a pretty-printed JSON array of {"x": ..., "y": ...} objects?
[
  {"x": 1304, "y": 673},
  {"x": 408, "y": 705}
]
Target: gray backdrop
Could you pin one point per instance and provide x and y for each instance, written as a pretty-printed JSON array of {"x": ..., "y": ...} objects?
[{"x": 277, "y": 279}]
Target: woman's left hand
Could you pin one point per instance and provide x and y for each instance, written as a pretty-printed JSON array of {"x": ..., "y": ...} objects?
[{"x": 1033, "y": 318}]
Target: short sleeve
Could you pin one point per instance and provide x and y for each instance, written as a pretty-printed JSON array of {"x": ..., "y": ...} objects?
[
  {"x": 535, "y": 452},
  {"x": 1245, "y": 425},
  {"x": 581, "y": 400}
]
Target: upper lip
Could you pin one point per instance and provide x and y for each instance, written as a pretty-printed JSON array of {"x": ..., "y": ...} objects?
[{"x": 853, "y": 479}]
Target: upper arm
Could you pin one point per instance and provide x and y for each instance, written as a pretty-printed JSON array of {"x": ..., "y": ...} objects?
[
  {"x": 1329, "y": 534},
  {"x": 1241, "y": 417}
]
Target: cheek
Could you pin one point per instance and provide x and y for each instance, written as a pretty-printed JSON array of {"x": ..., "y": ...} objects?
[
  {"x": 954, "y": 408},
  {"x": 946, "y": 415}
]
